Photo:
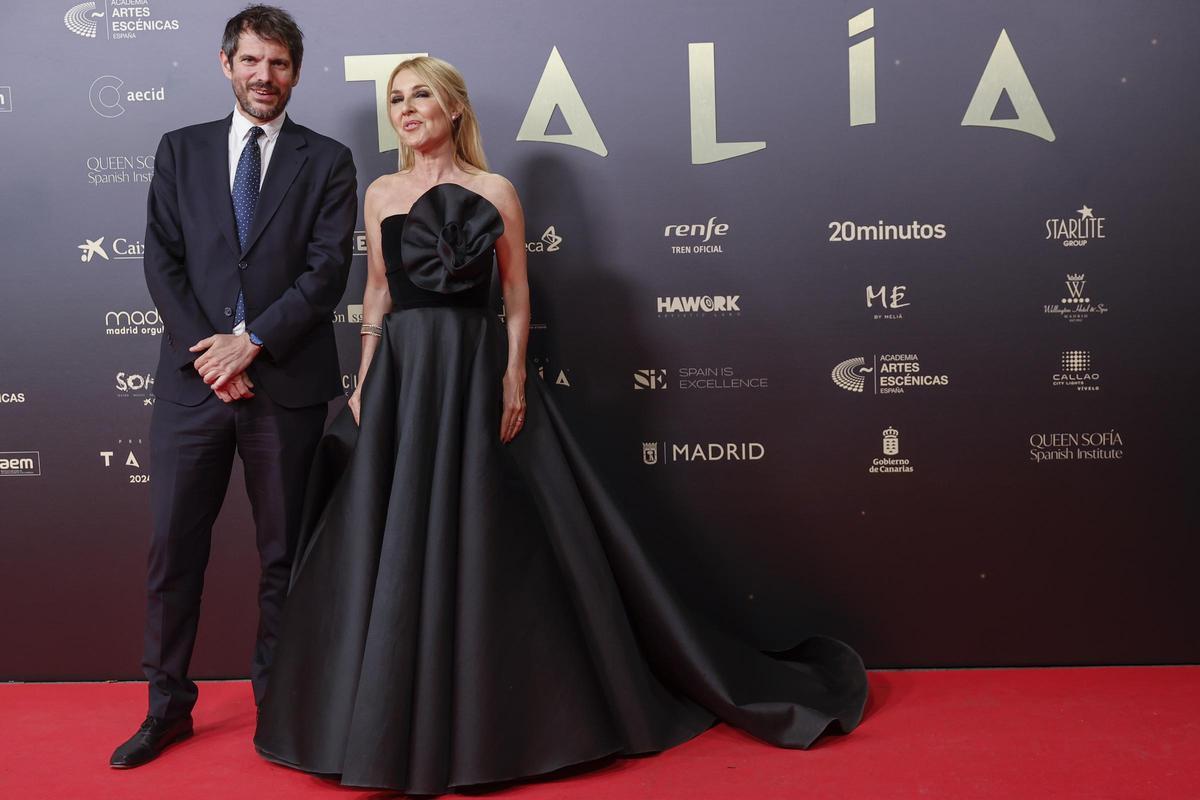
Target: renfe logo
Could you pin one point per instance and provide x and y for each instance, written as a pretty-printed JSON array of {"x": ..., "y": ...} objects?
[{"x": 707, "y": 230}]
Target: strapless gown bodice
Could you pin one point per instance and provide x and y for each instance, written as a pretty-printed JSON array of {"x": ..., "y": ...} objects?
[
  {"x": 441, "y": 253},
  {"x": 405, "y": 293}
]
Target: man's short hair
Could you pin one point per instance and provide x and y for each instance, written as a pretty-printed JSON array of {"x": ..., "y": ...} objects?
[{"x": 266, "y": 22}]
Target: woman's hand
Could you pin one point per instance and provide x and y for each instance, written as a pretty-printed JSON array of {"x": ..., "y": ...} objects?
[
  {"x": 512, "y": 419},
  {"x": 354, "y": 403}
]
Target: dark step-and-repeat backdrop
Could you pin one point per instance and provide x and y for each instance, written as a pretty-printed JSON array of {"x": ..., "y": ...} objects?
[{"x": 879, "y": 319}]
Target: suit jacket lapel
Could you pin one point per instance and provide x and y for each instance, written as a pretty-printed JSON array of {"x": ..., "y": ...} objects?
[
  {"x": 216, "y": 181},
  {"x": 286, "y": 160}
]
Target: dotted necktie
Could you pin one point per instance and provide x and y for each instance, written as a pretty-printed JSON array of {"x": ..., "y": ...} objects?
[{"x": 245, "y": 199}]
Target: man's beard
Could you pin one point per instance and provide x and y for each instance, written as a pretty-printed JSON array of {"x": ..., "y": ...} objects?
[{"x": 247, "y": 103}]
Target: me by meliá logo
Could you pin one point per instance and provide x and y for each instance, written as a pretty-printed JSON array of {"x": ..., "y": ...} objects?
[
  {"x": 721, "y": 305},
  {"x": 1097, "y": 446},
  {"x": 1076, "y": 231},
  {"x": 706, "y": 452}
]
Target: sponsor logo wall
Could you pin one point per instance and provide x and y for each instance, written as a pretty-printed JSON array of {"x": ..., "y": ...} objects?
[{"x": 839, "y": 298}]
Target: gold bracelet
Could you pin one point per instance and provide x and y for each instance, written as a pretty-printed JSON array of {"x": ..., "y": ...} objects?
[{"x": 369, "y": 329}]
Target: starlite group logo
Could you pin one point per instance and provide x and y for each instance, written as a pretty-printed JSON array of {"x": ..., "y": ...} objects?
[
  {"x": 724, "y": 305},
  {"x": 121, "y": 249},
  {"x": 1076, "y": 231},
  {"x": 118, "y": 19},
  {"x": 549, "y": 243},
  {"x": 1076, "y": 305},
  {"x": 888, "y": 373},
  {"x": 701, "y": 452},
  {"x": 20, "y": 464},
  {"x": 1076, "y": 372}
]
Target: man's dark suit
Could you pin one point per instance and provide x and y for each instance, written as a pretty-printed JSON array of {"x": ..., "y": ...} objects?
[{"x": 292, "y": 272}]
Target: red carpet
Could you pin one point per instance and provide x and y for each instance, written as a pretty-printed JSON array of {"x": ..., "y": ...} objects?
[{"x": 1063, "y": 733}]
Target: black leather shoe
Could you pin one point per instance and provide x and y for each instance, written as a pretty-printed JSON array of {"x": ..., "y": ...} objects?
[{"x": 152, "y": 738}]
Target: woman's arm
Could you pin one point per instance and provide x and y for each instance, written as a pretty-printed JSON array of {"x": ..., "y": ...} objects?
[
  {"x": 514, "y": 283},
  {"x": 377, "y": 300}
]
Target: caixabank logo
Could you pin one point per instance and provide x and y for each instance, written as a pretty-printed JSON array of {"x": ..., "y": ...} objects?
[
  {"x": 887, "y": 374},
  {"x": 115, "y": 20},
  {"x": 105, "y": 248}
]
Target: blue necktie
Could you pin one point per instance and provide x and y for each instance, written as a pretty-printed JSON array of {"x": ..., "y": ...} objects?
[{"x": 245, "y": 199}]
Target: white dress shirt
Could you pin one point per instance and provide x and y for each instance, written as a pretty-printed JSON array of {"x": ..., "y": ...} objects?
[{"x": 239, "y": 132}]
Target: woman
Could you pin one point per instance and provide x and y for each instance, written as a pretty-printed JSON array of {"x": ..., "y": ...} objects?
[{"x": 470, "y": 606}]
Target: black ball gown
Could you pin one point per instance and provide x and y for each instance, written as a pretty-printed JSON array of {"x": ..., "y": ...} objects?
[{"x": 466, "y": 612}]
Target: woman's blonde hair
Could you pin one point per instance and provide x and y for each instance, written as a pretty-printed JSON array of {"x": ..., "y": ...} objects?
[{"x": 450, "y": 91}]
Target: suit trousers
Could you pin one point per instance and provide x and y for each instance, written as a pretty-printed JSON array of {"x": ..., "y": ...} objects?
[{"x": 191, "y": 452}]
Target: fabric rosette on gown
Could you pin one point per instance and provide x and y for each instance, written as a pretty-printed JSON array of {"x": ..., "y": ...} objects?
[{"x": 464, "y": 612}]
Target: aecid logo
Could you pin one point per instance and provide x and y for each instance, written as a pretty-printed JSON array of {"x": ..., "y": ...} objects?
[{"x": 108, "y": 92}]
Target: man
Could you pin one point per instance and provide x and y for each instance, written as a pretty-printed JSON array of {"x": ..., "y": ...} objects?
[{"x": 248, "y": 234}]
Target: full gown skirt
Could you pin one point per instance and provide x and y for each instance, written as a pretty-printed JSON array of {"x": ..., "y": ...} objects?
[{"x": 464, "y": 612}]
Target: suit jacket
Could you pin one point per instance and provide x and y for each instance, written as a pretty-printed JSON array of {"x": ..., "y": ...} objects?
[{"x": 293, "y": 271}]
